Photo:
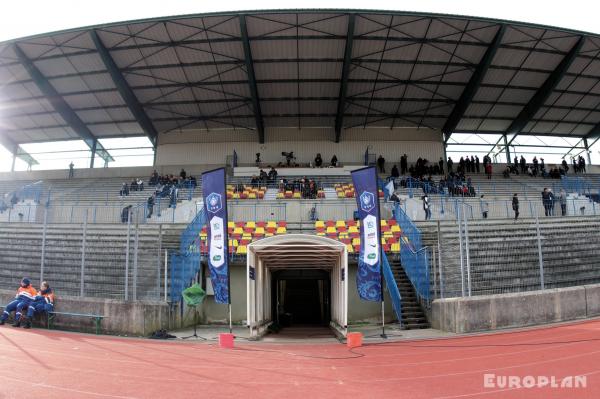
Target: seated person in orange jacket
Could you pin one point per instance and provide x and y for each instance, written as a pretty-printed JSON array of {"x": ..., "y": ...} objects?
[
  {"x": 25, "y": 294},
  {"x": 43, "y": 302}
]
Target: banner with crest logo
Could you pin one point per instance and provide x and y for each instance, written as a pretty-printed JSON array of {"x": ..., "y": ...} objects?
[
  {"x": 368, "y": 278},
  {"x": 215, "y": 203}
]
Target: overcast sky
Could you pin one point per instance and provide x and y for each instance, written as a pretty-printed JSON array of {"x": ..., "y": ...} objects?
[{"x": 24, "y": 18}]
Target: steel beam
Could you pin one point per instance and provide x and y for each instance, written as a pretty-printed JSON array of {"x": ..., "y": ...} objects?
[
  {"x": 339, "y": 119},
  {"x": 58, "y": 103},
  {"x": 471, "y": 88},
  {"x": 540, "y": 97},
  {"x": 16, "y": 151},
  {"x": 128, "y": 95},
  {"x": 260, "y": 127}
]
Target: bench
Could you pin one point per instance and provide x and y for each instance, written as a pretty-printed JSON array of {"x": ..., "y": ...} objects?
[
  {"x": 97, "y": 318},
  {"x": 52, "y": 315}
]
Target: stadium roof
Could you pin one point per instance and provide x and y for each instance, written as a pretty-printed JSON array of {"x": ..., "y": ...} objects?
[{"x": 299, "y": 68}]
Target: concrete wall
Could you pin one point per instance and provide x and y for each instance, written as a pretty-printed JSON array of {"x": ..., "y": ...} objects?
[
  {"x": 123, "y": 318},
  {"x": 491, "y": 312},
  {"x": 197, "y": 148}
]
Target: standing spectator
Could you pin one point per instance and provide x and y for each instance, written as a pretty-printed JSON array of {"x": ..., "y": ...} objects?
[
  {"x": 381, "y": 163},
  {"x": 124, "y": 190},
  {"x": 272, "y": 175},
  {"x": 150, "y": 206},
  {"x": 575, "y": 166},
  {"x": 71, "y": 170},
  {"x": 334, "y": 161},
  {"x": 450, "y": 164},
  {"x": 516, "y": 162},
  {"x": 140, "y": 184},
  {"x": 441, "y": 165},
  {"x": 182, "y": 174},
  {"x": 173, "y": 197},
  {"x": 488, "y": 170},
  {"x": 565, "y": 165},
  {"x": 477, "y": 163},
  {"x": 14, "y": 200},
  {"x": 581, "y": 164},
  {"x": 126, "y": 214},
  {"x": 542, "y": 166},
  {"x": 523, "y": 165},
  {"x": 535, "y": 165},
  {"x": 562, "y": 199},
  {"x": 551, "y": 199},
  {"x": 395, "y": 172},
  {"x": 426, "y": 207},
  {"x": 515, "y": 205},
  {"x": 403, "y": 164},
  {"x": 546, "y": 201},
  {"x": 485, "y": 207},
  {"x": 318, "y": 161}
]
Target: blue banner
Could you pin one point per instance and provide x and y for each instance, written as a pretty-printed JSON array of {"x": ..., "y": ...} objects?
[
  {"x": 215, "y": 203},
  {"x": 368, "y": 278}
]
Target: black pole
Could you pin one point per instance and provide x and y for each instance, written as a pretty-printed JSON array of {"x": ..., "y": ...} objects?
[
  {"x": 226, "y": 245},
  {"x": 383, "y": 335}
]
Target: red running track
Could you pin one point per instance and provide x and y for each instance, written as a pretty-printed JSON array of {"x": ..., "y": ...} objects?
[{"x": 49, "y": 364}]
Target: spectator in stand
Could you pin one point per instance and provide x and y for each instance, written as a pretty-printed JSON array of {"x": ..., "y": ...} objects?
[
  {"x": 516, "y": 162},
  {"x": 403, "y": 164},
  {"x": 581, "y": 164},
  {"x": 395, "y": 172},
  {"x": 263, "y": 176},
  {"x": 150, "y": 206},
  {"x": 381, "y": 164},
  {"x": 450, "y": 164},
  {"x": 318, "y": 161},
  {"x": 183, "y": 174},
  {"x": 272, "y": 175},
  {"x": 43, "y": 302},
  {"x": 476, "y": 163},
  {"x": 126, "y": 213},
  {"x": 535, "y": 165},
  {"x": 124, "y": 190},
  {"x": 575, "y": 166},
  {"x": 173, "y": 197},
  {"x": 334, "y": 161},
  {"x": 523, "y": 165},
  {"x": 542, "y": 165},
  {"x": 153, "y": 179},
  {"x": 488, "y": 170},
  {"x": 461, "y": 165},
  {"x": 565, "y": 165},
  {"x": 71, "y": 170},
  {"x": 25, "y": 294},
  {"x": 140, "y": 184},
  {"x": 441, "y": 165},
  {"x": 426, "y": 207},
  {"x": 485, "y": 207},
  {"x": 547, "y": 201},
  {"x": 506, "y": 172},
  {"x": 133, "y": 185},
  {"x": 515, "y": 205},
  {"x": 562, "y": 200},
  {"x": 14, "y": 200}
]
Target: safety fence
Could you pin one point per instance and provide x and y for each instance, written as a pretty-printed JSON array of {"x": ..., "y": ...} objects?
[
  {"x": 392, "y": 286},
  {"x": 478, "y": 258},
  {"x": 105, "y": 261}
]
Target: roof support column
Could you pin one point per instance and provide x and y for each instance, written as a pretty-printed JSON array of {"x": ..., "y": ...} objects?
[
  {"x": 94, "y": 144},
  {"x": 587, "y": 151},
  {"x": 507, "y": 149},
  {"x": 12, "y": 166},
  {"x": 260, "y": 128},
  {"x": 339, "y": 119}
]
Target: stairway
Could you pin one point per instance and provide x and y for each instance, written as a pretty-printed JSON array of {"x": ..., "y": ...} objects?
[
  {"x": 413, "y": 317},
  {"x": 271, "y": 194},
  {"x": 330, "y": 193}
]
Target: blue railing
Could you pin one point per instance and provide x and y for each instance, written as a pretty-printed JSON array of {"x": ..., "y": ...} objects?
[
  {"x": 577, "y": 185},
  {"x": 392, "y": 287},
  {"x": 413, "y": 255},
  {"x": 183, "y": 271},
  {"x": 190, "y": 237},
  {"x": 31, "y": 191}
]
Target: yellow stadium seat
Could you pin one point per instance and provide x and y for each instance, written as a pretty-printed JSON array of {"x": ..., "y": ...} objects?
[
  {"x": 395, "y": 228},
  {"x": 271, "y": 224},
  {"x": 268, "y": 234},
  {"x": 320, "y": 233},
  {"x": 387, "y": 234},
  {"x": 241, "y": 250},
  {"x": 353, "y": 229},
  {"x": 343, "y": 235},
  {"x": 279, "y": 196},
  {"x": 331, "y": 230},
  {"x": 340, "y": 223},
  {"x": 230, "y": 224},
  {"x": 382, "y": 240},
  {"x": 251, "y": 225},
  {"x": 297, "y": 195},
  {"x": 319, "y": 223},
  {"x": 238, "y": 230},
  {"x": 396, "y": 247},
  {"x": 356, "y": 241},
  {"x": 350, "y": 248},
  {"x": 252, "y": 196},
  {"x": 281, "y": 230},
  {"x": 260, "y": 230},
  {"x": 383, "y": 222}
]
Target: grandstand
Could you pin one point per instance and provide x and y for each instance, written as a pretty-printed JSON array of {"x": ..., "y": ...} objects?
[{"x": 217, "y": 90}]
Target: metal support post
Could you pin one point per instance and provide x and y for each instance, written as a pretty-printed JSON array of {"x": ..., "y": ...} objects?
[
  {"x": 135, "y": 261},
  {"x": 540, "y": 256},
  {"x": 83, "y": 242},
  {"x": 127, "y": 256},
  {"x": 44, "y": 230}
]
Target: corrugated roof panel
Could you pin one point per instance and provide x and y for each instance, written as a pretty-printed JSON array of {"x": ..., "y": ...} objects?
[
  {"x": 22, "y": 107},
  {"x": 281, "y": 121},
  {"x": 19, "y": 122},
  {"x": 154, "y": 56},
  {"x": 366, "y": 70},
  {"x": 568, "y": 100},
  {"x": 221, "y": 27},
  {"x": 197, "y": 74},
  {"x": 284, "y": 70},
  {"x": 318, "y": 122},
  {"x": 319, "y": 24},
  {"x": 498, "y": 76},
  {"x": 593, "y": 117},
  {"x": 99, "y": 81},
  {"x": 227, "y": 51},
  {"x": 380, "y": 107},
  {"x": 504, "y": 111},
  {"x": 55, "y": 66},
  {"x": 437, "y": 52},
  {"x": 237, "y": 90},
  {"x": 576, "y": 116},
  {"x": 516, "y": 95},
  {"x": 81, "y": 100},
  {"x": 458, "y": 75},
  {"x": 476, "y": 109},
  {"x": 592, "y": 67},
  {"x": 431, "y": 73},
  {"x": 374, "y": 24},
  {"x": 98, "y": 115},
  {"x": 275, "y": 24},
  {"x": 447, "y": 92},
  {"x": 392, "y": 91},
  {"x": 279, "y": 107},
  {"x": 355, "y": 89},
  {"x": 185, "y": 29},
  {"x": 87, "y": 63},
  {"x": 320, "y": 70},
  {"x": 545, "y": 61},
  {"x": 159, "y": 112},
  {"x": 521, "y": 36},
  {"x": 37, "y": 47},
  {"x": 120, "y": 114},
  {"x": 589, "y": 102},
  {"x": 125, "y": 58},
  {"x": 321, "y": 48},
  {"x": 436, "y": 123},
  {"x": 481, "y": 31},
  {"x": 509, "y": 57},
  {"x": 16, "y": 91},
  {"x": 468, "y": 54},
  {"x": 564, "y": 128},
  {"x": 140, "y": 79},
  {"x": 105, "y": 129},
  {"x": 270, "y": 49},
  {"x": 565, "y": 82},
  {"x": 467, "y": 124},
  {"x": 109, "y": 98},
  {"x": 231, "y": 73},
  {"x": 529, "y": 79},
  {"x": 495, "y": 125},
  {"x": 168, "y": 75},
  {"x": 579, "y": 64},
  {"x": 372, "y": 49},
  {"x": 69, "y": 85},
  {"x": 319, "y": 90},
  {"x": 449, "y": 29},
  {"x": 270, "y": 90},
  {"x": 582, "y": 130},
  {"x": 318, "y": 107},
  {"x": 555, "y": 40}
]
